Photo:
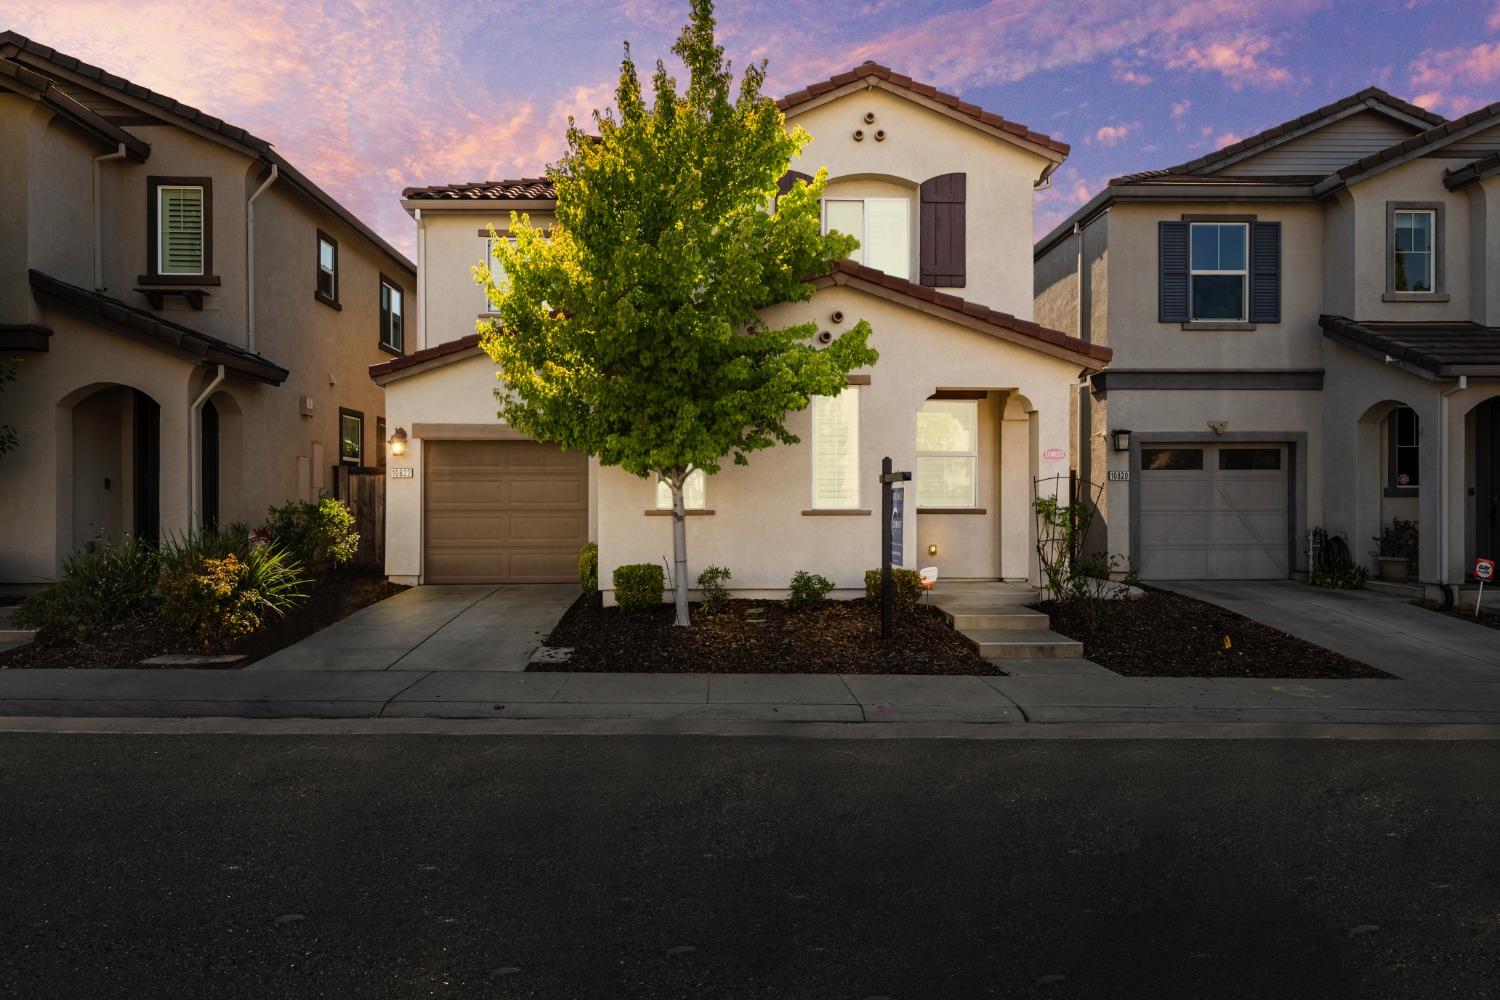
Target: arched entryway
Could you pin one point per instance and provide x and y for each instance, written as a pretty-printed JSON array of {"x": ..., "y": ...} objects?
[
  {"x": 1392, "y": 440},
  {"x": 114, "y": 471},
  {"x": 1484, "y": 513},
  {"x": 219, "y": 487}
]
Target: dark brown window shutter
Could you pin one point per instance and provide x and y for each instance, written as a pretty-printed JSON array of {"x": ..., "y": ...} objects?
[
  {"x": 789, "y": 180},
  {"x": 943, "y": 236}
]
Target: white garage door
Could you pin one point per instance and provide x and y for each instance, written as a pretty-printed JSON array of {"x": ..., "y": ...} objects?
[
  {"x": 503, "y": 512},
  {"x": 1213, "y": 512}
]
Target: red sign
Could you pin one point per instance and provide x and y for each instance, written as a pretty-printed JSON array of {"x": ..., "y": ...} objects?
[{"x": 1484, "y": 569}]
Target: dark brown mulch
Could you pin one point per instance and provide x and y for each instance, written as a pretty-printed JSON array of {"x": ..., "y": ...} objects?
[
  {"x": 1163, "y": 634},
  {"x": 1465, "y": 611},
  {"x": 128, "y": 642},
  {"x": 838, "y": 637}
]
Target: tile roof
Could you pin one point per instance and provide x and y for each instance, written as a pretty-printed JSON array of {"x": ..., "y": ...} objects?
[
  {"x": 991, "y": 321},
  {"x": 153, "y": 330},
  {"x": 518, "y": 189},
  {"x": 1421, "y": 140},
  {"x": 1483, "y": 167},
  {"x": 460, "y": 346},
  {"x": 1438, "y": 349},
  {"x": 11, "y": 40},
  {"x": 1369, "y": 96},
  {"x": 875, "y": 71}
]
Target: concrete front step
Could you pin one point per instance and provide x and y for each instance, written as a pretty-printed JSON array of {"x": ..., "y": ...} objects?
[
  {"x": 969, "y": 617},
  {"x": 1023, "y": 644},
  {"x": 943, "y": 596}
]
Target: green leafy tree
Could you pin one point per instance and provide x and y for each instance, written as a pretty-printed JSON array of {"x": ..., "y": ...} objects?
[{"x": 632, "y": 331}]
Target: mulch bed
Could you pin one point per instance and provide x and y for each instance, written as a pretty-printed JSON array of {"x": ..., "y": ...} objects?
[
  {"x": 838, "y": 637},
  {"x": 1465, "y": 611},
  {"x": 1162, "y": 634},
  {"x": 126, "y": 643}
]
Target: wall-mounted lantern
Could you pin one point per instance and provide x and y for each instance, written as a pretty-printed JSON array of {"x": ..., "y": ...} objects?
[
  {"x": 1121, "y": 440},
  {"x": 397, "y": 441}
]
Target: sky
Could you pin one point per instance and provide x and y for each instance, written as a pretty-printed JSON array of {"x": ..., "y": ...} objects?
[{"x": 369, "y": 96}]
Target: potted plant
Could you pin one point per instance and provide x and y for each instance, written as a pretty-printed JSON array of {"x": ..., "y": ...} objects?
[{"x": 1397, "y": 550}]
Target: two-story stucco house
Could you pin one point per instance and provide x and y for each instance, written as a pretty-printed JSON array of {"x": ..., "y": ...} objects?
[
  {"x": 194, "y": 318},
  {"x": 969, "y": 393},
  {"x": 1306, "y": 334}
]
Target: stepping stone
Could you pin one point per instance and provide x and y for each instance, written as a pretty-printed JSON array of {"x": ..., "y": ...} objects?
[
  {"x": 194, "y": 660},
  {"x": 552, "y": 654}
]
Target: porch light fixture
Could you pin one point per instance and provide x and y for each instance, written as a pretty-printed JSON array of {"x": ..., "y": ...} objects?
[
  {"x": 1121, "y": 440},
  {"x": 397, "y": 441}
]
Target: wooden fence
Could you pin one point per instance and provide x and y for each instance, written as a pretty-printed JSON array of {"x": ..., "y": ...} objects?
[{"x": 363, "y": 489}]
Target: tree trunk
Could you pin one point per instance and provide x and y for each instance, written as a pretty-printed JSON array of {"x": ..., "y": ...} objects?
[{"x": 679, "y": 552}]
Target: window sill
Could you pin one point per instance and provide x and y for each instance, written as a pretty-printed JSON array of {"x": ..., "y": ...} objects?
[
  {"x": 331, "y": 303},
  {"x": 1215, "y": 325},
  {"x": 836, "y": 512},
  {"x": 387, "y": 348},
  {"x": 170, "y": 280},
  {"x": 1403, "y": 491},
  {"x": 667, "y": 512},
  {"x": 1415, "y": 297},
  {"x": 156, "y": 296},
  {"x": 951, "y": 510}
]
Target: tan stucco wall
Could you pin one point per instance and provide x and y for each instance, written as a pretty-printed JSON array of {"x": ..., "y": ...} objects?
[
  {"x": 451, "y": 246},
  {"x": 921, "y": 144}
]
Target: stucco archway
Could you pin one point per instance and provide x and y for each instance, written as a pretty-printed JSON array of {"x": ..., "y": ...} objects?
[
  {"x": 1390, "y": 473},
  {"x": 108, "y": 465},
  {"x": 1482, "y": 476}
]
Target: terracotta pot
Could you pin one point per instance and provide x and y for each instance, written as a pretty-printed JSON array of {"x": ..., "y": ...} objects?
[{"x": 1394, "y": 569}]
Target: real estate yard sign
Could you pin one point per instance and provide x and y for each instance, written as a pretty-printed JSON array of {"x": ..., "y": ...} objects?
[
  {"x": 898, "y": 525},
  {"x": 1484, "y": 570}
]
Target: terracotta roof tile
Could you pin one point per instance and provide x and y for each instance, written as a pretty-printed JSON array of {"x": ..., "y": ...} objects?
[
  {"x": 873, "y": 70},
  {"x": 517, "y": 189},
  {"x": 426, "y": 354}
]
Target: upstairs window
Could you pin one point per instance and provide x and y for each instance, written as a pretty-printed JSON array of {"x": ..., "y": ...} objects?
[
  {"x": 327, "y": 289},
  {"x": 835, "y": 440},
  {"x": 496, "y": 271},
  {"x": 882, "y": 226},
  {"x": 948, "y": 453},
  {"x": 351, "y": 436},
  {"x": 694, "y": 492},
  {"x": 180, "y": 233},
  {"x": 392, "y": 316},
  {"x": 1219, "y": 270},
  {"x": 1413, "y": 259}
]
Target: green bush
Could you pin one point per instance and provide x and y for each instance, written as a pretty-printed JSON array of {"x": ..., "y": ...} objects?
[
  {"x": 807, "y": 590},
  {"x": 906, "y": 588},
  {"x": 103, "y": 582},
  {"x": 588, "y": 569},
  {"x": 639, "y": 586},
  {"x": 711, "y": 582},
  {"x": 318, "y": 535},
  {"x": 219, "y": 599}
]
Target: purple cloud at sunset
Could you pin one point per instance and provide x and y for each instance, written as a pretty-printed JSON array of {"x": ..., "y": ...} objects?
[{"x": 369, "y": 96}]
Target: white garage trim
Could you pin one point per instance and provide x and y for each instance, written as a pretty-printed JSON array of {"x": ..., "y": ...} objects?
[{"x": 1295, "y": 467}]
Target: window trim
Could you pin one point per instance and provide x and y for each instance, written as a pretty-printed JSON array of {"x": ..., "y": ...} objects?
[
  {"x": 1439, "y": 291},
  {"x": 813, "y": 504},
  {"x": 358, "y": 460},
  {"x": 1243, "y": 320},
  {"x": 331, "y": 301},
  {"x": 973, "y": 504},
  {"x": 864, "y": 236},
  {"x": 380, "y": 340},
  {"x": 380, "y": 445},
  {"x": 154, "y": 184},
  {"x": 489, "y": 262},
  {"x": 1391, "y": 452}
]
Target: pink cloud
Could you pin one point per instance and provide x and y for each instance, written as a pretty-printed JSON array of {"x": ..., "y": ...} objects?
[
  {"x": 1181, "y": 108},
  {"x": 1440, "y": 73},
  {"x": 1239, "y": 62},
  {"x": 1227, "y": 139},
  {"x": 1124, "y": 73},
  {"x": 1110, "y": 135}
]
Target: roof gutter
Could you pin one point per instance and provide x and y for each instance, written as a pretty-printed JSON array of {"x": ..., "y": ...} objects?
[
  {"x": 250, "y": 258},
  {"x": 118, "y": 154}
]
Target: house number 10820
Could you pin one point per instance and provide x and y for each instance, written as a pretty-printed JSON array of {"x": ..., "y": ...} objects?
[{"x": 1122, "y": 476}]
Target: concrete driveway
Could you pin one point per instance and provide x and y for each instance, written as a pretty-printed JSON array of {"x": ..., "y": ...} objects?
[
  {"x": 1386, "y": 632},
  {"x": 435, "y": 628}
]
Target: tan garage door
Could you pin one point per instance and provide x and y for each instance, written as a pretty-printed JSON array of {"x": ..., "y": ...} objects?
[
  {"x": 503, "y": 512},
  {"x": 1213, "y": 512}
]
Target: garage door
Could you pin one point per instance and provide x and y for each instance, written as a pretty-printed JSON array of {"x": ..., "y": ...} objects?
[
  {"x": 1213, "y": 512},
  {"x": 503, "y": 512}
]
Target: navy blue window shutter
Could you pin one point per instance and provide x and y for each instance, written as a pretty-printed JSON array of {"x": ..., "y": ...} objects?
[
  {"x": 1265, "y": 272},
  {"x": 1172, "y": 283}
]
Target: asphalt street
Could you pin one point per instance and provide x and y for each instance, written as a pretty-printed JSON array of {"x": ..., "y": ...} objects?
[{"x": 402, "y": 866}]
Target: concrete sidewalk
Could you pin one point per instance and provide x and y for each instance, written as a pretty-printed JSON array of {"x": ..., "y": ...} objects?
[{"x": 1018, "y": 699}]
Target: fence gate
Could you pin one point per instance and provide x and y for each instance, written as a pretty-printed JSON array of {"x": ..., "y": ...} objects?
[{"x": 363, "y": 489}]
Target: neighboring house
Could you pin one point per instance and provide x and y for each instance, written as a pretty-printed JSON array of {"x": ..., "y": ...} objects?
[
  {"x": 195, "y": 318},
  {"x": 1306, "y": 334},
  {"x": 969, "y": 394}
]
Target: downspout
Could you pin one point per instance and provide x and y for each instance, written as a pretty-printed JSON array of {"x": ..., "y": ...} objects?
[
  {"x": 1444, "y": 521},
  {"x": 421, "y": 280},
  {"x": 1078, "y": 270},
  {"x": 195, "y": 451},
  {"x": 250, "y": 258},
  {"x": 118, "y": 154}
]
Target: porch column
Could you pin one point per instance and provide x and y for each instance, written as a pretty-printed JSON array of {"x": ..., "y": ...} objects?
[{"x": 1017, "y": 471}]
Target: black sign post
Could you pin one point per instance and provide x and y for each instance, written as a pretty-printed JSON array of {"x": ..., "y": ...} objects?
[{"x": 887, "y": 479}]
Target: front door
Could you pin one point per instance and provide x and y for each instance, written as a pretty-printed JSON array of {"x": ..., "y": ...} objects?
[
  {"x": 1487, "y": 479},
  {"x": 146, "y": 455}
]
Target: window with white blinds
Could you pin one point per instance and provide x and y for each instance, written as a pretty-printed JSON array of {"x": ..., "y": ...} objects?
[
  {"x": 882, "y": 226},
  {"x": 694, "y": 492},
  {"x": 179, "y": 219},
  {"x": 497, "y": 272},
  {"x": 835, "y": 440},
  {"x": 948, "y": 453}
]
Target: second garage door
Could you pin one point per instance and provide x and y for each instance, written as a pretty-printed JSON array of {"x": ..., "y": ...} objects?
[
  {"x": 503, "y": 512},
  {"x": 1213, "y": 512}
]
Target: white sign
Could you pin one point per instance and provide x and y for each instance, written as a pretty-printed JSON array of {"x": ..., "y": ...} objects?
[
  {"x": 1054, "y": 455},
  {"x": 401, "y": 472},
  {"x": 1123, "y": 476}
]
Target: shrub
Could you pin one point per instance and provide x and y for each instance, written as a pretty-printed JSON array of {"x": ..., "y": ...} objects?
[
  {"x": 318, "y": 535},
  {"x": 906, "y": 588},
  {"x": 807, "y": 590},
  {"x": 220, "y": 599},
  {"x": 639, "y": 586},
  {"x": 711, "y": 582},
  {"x": 588, "y": 569},
  {"x": 105, "y": 581},
  {"x": 1350, "y": 578}
]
